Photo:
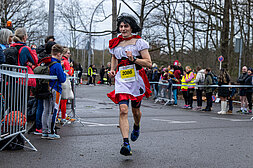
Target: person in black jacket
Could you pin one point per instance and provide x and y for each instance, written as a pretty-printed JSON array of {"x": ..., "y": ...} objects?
[
  {"x": 102, "y": 73},
  {"x": 249, "y": 81},
  {"x": 242, "y": 93},
  {"x": 223, "y": 92}
]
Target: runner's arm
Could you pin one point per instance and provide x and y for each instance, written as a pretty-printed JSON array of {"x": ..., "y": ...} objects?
[{"x": 146, "y": 60}]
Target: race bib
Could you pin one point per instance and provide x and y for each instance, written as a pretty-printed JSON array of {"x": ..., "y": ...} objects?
[{"x": 127, "y": 73}]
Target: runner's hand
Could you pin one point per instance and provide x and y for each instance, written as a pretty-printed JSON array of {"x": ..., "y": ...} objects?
[
  {"x": 112, "y": 74},
  {"x": 130, "y": 55}
]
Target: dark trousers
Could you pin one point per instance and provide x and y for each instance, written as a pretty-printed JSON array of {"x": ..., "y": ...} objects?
[
  {"x": 89, "y": 79},
  {"x": 209, "y": 100},
  {"x": 102, "y": 79},
  {"x": 230, "y": 103},
  {"x": 190, "y": 96},
  {"x": 185, "y": 95},
  {"x": 199, "y": 97},
  {"x": 249, "y": 98}
]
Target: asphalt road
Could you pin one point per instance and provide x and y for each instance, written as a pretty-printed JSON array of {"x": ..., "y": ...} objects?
[{"x": 170, "y": 137}]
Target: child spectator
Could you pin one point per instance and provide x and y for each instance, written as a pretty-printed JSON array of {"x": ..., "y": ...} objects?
[
  {"x": 173, "y": 80},
  {"x": 51, "y": 104}
]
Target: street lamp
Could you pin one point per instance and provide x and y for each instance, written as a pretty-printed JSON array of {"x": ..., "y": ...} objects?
[{"x": 238, "y": 49}]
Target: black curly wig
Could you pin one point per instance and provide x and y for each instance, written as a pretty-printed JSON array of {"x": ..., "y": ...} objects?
[{"x": 126, "y": 18}]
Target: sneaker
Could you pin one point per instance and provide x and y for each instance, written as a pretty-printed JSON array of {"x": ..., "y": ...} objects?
[
  {"x": 53, "y": 136},
  {"x": 229, "y": 112},
  {"x": 63, "y": 121},
  {"x": 189, "y": 107},
  {"x": 44, "y": 136},
  {"x": 239, "y": 111},
  {"x": 38, "y": 132},
  {"x": 135, "y": 134},
  {"x": 185, "y": 106},
  {"x": 250, "y": 111},
  {"x": 205, "y": 109},
  {"x": 125, "y": 149}
]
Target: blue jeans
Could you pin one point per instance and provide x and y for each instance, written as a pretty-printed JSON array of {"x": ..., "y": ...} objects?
[
  {"x": 175, "y": 95},
  {"x": 39, "y": 114},
  {"x": 155, "y": 91}
]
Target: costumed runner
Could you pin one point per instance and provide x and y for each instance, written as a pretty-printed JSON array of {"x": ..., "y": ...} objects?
[{"x": 129, "y": 56}]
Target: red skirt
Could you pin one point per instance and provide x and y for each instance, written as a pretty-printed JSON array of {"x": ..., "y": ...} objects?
[{"x": 116, "y": 98}]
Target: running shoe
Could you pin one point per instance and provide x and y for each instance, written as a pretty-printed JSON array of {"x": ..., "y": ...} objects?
[
  {"x": 53, "y": 136},
  {"x": 185, "y": 106},
  {"x": 135, "y": 134},
  {"x": 44, "y": 136},
  {"x": 38, "y": 132},
  {"x": 125, "y": 149},
  {"x": 250, "y": 111},
  {"x": 239, "y": 111}
]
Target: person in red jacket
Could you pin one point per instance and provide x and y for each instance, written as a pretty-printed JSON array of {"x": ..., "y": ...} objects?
[{"x": 66, "y": 66}]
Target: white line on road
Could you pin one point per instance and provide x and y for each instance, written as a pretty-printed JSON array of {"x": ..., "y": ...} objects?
[
  {"x": 228, "y": 119},
  {"x": 93, "y": 124},
  {"x": 175, "y": 122}
]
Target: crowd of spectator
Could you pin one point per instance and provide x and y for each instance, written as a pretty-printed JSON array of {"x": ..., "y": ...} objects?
[
  {"x": 191, "y": 81},
  {"x": 50, "y": 55}
]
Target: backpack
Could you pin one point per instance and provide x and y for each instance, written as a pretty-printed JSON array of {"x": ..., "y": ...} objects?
[
  {"x": 11, "y": 55},
  {"x": 42, "y": 89}
]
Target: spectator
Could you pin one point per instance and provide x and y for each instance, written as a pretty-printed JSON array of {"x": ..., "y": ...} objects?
[
  {"x": 208, "y": 81},
  {"x": 180, "y": 68},
  {"x": 102, "y": 73},
  {"x": 5, "y": 40},
  {"x": 190, "y": 81},
  {"x": 242, "y": 93},
  {"x": 41, "y": 50},
  {"x": 223, "y": 92},
  {"x": 89, "y": 74},
  {"x": 27, "y": 56},
  {"x": 155, "y": 78},
  {"x": 200, "y": 80},
  {"x": 40, "y": 108},
  {"x": 173, "y": 80},
  {"x": 47, "y": 51},
  {"x": 184, "y": 90},
  {"x": 149, "y": 73},
  {"x": 107, "y": 71},
  {"x": 66, "y": 67},
  {"x": 94, "y": 69},
  {"x": 51, "y": 105},
  {"x": 231, "y": 97},
  {"x": 249, "y": 81}
]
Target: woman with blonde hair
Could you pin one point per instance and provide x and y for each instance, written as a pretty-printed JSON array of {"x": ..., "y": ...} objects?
[
  {"x": 5, "y": 41},
  {"x": 26, "y": 56}
]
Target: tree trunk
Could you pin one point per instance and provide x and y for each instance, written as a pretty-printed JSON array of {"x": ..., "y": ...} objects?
[{"x": 225, "y": 33}]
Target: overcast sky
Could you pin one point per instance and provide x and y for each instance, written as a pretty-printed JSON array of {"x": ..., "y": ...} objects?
[{"x": 89, "y": 6}]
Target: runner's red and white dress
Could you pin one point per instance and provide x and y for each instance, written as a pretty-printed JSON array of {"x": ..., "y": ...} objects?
[{"x": 133, "y": 90}]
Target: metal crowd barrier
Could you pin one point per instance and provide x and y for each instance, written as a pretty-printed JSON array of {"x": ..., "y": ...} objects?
[
  {"x": 13, "y": 105},
  {"x": 167, "y": 96}
]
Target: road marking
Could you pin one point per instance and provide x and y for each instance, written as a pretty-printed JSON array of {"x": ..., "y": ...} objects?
[
  {"x": 228, "y": 119},
  {"x": 93, "y": 124},
  {"x": 175, "y": 122}
]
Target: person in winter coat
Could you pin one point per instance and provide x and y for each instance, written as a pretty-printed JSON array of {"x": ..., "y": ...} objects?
[
  {"x": 190, "y": 81},
  {"x": 208, "y": 81},
  {"x": 199, "y": 80},
  {"x": 249, "y": 81},
  {"x": 184, "y": 90},
  {"x": 51, "y": 105},
  {"x": 66, "y": 67},
  {"x": 223, "y": 92},
  {"x": 102, "y": 73},
  {"x": 242, "y": 93},
  {"x": 5, "y": 40}
]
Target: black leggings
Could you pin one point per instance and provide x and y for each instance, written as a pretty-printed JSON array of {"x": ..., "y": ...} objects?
[
  {"x": 185, "y": 95},
  {"x": 249, "y": 98},
  {"x": 190, "y": 96},
  {"x": 199, "y": 97}
]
